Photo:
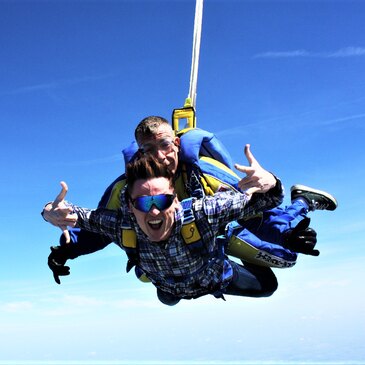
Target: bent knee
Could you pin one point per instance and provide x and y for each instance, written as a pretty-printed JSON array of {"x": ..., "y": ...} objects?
[
  {"x": 167, "y": 298},
  {"x": 269, "y": 285}
]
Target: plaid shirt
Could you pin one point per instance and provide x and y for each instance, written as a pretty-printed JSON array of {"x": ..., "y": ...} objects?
[{"x": 171, "y": 265}]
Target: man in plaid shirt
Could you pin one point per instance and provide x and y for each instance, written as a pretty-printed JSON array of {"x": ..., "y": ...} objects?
[
  {"x": 275, "y": 236},
  {"x": 150, "y": 208}
]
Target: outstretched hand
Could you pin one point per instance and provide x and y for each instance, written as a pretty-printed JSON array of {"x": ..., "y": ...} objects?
[
  {"x": 57, "y": 260},
  {"x": 302, "y": 238},
  {"x": 258, "y": 180},
  {"x": 59, "y": 214}
]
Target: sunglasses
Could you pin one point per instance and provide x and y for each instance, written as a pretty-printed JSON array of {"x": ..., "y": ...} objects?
[
  {"x": 145, "y": 203},
  {"x": 164, "y": 145}
]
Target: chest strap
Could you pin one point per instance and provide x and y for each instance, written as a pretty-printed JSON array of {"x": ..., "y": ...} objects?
[{"x": 189, "y": 229}]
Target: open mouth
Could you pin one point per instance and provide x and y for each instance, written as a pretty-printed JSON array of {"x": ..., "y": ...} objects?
[{"x": 155, "y": 224}]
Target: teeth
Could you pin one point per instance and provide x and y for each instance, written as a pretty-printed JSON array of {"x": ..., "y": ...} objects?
[{"x": 157, "y": 221}]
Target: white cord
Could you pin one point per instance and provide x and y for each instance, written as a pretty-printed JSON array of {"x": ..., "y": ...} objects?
[{"x": 196, "y": 51}]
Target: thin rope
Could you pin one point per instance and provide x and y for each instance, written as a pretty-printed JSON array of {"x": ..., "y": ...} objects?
[{"x": 196, "y": 51}]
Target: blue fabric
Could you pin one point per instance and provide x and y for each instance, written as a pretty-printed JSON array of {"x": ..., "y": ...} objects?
[
  {"x": 208, "y": 168},
  {"x": 276, "y": 221},
  {"x": 129, "y": 152},
  {"x": 265, "y": 232},
  {"x": 198, "y": 142},
  {"x": 270, "y": 252},
  {"x": 84, "y": 242}
]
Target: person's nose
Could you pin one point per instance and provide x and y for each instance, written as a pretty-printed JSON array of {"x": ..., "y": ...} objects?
[
  {"x": 154, "y": 211},
  {"x": 160, "y": 155}
]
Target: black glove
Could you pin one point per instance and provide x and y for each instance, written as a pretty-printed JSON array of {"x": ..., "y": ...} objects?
[
  {"x": 56, "y": 262},
  {"x": 301, "y": 239}
]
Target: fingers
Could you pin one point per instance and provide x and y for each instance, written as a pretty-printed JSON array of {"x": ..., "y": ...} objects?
[
  {"x": 61, "y": 217},
  {"x": 59, "y": 270},
  {"x": 56, "y": 262},
  {"x": 254, "y": 182},
  {"x": 70, "y": 221},
  {"x": 315, "y": 253},
  {"x": 303, "y": 224},
  {"x": 56, "y": 278},
  {"x": 250, "y": 191},
  {"x": 310, "y": 232},
  {"x": 250, "y": 181},
  {"x": 61, "y": 196},
  {"x": 310, "y": 252},
  {"x": 258, "y": 180},
  {"x": 245, "y": 169},
  {"x": 66, "y": 233},
  {"x": 250, "y": 158}
]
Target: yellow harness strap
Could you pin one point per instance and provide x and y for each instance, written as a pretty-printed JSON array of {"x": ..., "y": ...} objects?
[
  {"x": 129, "y": 238},
  {"x": 186, "y": 113},
  {"x": 114, "y": 199}
]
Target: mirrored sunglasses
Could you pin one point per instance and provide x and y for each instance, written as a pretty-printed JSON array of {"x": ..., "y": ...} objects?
[{"x": 145, "y": 203}]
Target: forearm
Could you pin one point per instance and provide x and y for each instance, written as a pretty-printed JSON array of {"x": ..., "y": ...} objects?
[
  {"x": 84, "y": 242},
  {"x": 260, "y": 202},
  {"x": 227, "y": 207},
  {"x": 101, "y": 221}
]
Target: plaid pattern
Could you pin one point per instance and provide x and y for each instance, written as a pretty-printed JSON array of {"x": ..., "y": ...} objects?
[{"x": 171, "y": 265}]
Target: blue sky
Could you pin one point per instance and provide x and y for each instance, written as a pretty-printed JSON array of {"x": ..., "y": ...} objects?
[{"x": 77, "y": 76}]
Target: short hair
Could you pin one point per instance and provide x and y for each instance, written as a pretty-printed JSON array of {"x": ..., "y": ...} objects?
[
  {"x": 146, "y": 167},
  {"x": 148, "y": 126}
]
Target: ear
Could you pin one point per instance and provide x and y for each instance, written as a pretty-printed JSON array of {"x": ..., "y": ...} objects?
[{"x": 177, "y": 141}]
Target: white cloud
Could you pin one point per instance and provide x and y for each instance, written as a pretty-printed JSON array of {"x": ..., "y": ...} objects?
[
  {"x": 135, "y": 303},
  {"x": 82, "y": 300},
  {"x": 73, "y": 304},
  {"x": 283, "y": 54},
  {"x": 15, "y": 307},
  {"x": 348, "y": 52},
  {"x": 344, "y": 119},
  {"x": 341, "y": 53},
  {"x": 57, "y": 84}
]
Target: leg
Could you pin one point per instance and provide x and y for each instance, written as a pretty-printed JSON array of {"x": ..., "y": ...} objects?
[
  {"x": 316, "y": 199},
  {"x": 167, "y": 298},
  {"x": 243, "y": 244},
  {"x": 276, "y": 221},
  {"x": 251, "y": 281}
]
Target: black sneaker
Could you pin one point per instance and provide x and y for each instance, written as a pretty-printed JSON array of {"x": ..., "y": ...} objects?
[{"x": 316, "y": 199}]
